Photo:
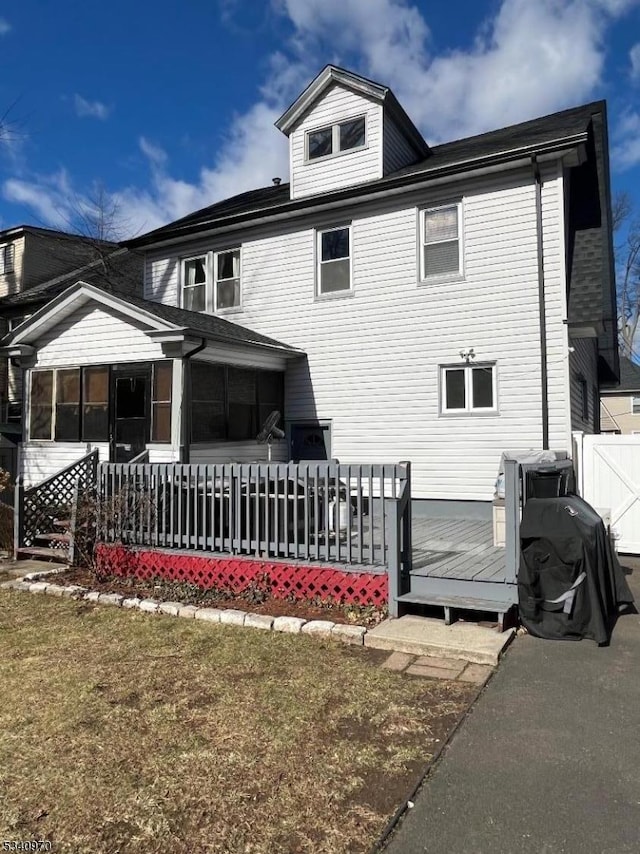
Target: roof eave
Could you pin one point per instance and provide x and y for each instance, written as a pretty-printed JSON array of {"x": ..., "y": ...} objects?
[
  {"x": 328, "y": 75},
  {"x": 382, "y": 187}
]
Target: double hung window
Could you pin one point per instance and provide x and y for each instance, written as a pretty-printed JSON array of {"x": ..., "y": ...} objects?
[
  {"x": 211, "y": 282},
  {"x": 441, "y": 242},
  {"x": 334, "y": 260},
  {"x": 6, "y": 259}
]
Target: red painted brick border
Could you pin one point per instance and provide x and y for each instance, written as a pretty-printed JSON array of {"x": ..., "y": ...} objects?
[{"x": 236, "y": 574}]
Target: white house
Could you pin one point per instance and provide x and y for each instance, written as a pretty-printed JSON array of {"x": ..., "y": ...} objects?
[{"x": 395, "y": 301}]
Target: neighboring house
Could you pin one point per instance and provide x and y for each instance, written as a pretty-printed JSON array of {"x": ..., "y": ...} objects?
[
  {"x": 31, "y": 257},
  {"x": 620, "y": 407},
  {"x": 396, "y": 301}
]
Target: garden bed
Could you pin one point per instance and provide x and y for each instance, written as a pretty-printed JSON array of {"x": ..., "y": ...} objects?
[{"x": 254, "y": 600}]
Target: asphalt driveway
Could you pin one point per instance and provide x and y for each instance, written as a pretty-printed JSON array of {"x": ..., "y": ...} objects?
[{"x": 548, "y": 761}]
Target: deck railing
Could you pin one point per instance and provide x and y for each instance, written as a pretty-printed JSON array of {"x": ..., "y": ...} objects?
[{"x": 308, "y": 510}]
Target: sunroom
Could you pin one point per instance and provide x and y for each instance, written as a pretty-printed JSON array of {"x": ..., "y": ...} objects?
[{"x": 130, "y": 377}]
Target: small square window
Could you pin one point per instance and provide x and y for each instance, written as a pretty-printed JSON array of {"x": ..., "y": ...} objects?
[
  {"x": 334, "y": 260},
  {"x": 635, "y": 405},
  {"x": 352, "y": 134},
  {"x": 468, "y": 389},
  {"x": 441, "y": 243},
  {"x": 319, "y": 143}
]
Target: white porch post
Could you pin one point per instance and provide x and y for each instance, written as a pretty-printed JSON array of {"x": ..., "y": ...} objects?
[{"x": 178, "y": 402}]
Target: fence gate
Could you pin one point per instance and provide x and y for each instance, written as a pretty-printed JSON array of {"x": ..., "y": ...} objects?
[{"x": 609, "y": 478}]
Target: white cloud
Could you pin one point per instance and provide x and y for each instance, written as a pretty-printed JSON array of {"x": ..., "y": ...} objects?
[
  {"x": 92, "y": 109},
  {"x": 5, "y": 26},
  {"x": 51, "y": 198},
  {"x": 634, "y": 57},
  {"x": 625, "y": 152},
  {"x": 529, "y": 59}
]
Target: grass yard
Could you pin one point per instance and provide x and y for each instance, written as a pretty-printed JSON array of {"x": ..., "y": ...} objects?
[{"x": 123, "y": 732}]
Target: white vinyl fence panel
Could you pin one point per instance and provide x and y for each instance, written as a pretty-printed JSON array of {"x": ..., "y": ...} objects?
[{"x": 611, "y": 480}]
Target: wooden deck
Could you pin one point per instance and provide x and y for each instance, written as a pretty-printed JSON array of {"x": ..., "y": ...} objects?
[{"x": 456, "y": 549}]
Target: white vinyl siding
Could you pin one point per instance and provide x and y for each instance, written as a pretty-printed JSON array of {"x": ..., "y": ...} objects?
[
  {"x": 398, "y": 152},
  {"x": 341, "y": 169},
  {"x": 373, "y": 366}
]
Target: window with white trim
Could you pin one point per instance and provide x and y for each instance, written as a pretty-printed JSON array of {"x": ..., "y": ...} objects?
[
  {"x": 334, "y": 260},
  {"x": 468, "y": 389},
  {"x": 194, "y": 283},
  {"x": 6, "y": 258},
  {"x": 211, "y": 282},
  {"x": 338, "y": 138},
  {"x": 441, "y": 241},
  {"x": 635, "y": 405}
]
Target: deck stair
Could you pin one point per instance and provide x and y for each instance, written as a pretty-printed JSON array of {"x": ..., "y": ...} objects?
[{"x": 44, "y": 512}]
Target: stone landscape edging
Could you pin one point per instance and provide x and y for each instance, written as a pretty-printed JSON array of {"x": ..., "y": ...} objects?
[{"x": 35, "y": 582}]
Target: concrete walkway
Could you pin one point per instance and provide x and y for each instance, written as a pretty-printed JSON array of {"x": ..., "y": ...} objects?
[{"x": 548, "y": 761}]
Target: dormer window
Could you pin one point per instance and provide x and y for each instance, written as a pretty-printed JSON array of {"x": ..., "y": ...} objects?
[{"x": 336, "y": 139}]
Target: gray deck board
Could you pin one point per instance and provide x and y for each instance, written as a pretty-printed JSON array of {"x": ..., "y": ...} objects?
[{"x": 456, "y": 548}]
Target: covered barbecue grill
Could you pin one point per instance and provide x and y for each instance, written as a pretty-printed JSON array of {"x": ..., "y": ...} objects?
[{"x": 570, "y": 584}]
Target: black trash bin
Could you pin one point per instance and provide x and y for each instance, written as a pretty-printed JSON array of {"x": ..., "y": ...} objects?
[{"x": 570, "y": 584}]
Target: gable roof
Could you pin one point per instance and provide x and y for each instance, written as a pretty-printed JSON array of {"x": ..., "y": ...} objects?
[
  {"x": 629, "y": 379},
  {"x": 334, "y": 75},
  {"x": 547, "y": 134},
  {"x": 118, "y": 272},
  {"x": 158, "y": 317}
]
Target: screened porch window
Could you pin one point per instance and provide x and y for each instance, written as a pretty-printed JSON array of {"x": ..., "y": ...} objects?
[
  {"x": 230, "y": 403},
  {"x": 41, "y": 404},
  {"x": 95, "y": 408},
  {"x": 67, "y": 405},
  {"x": 161, "y": 402},
  {"x": 441, "y": 242}
]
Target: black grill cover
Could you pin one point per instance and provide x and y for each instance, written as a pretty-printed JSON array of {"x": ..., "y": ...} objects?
[{"x": 570, "y": 584}]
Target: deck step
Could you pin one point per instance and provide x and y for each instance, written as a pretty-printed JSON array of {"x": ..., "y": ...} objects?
[
  {"x": 463, "y": 603},
  {"x": 43, "y": 553},
  {"x": 62, "y": 523},
  {"x": 60, "y": 537}
]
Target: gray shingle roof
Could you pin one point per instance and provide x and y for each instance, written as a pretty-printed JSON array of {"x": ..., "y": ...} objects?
[
  {"x": 629, "y": 378},
  {"x": 454, "y": 156},
  {"x": 119, "y": 272},
  {"x": 207, "y": 325}
]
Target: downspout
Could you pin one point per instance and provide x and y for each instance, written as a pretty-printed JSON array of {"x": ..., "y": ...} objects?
[
  {"x": 544, "y": 379},
  {"x": 186, "y": 400}
]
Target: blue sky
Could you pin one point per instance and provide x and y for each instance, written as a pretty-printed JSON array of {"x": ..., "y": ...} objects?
[{"x": 169, "y": 106}]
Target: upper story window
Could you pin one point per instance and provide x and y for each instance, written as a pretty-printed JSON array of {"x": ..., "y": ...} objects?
[
  {"x": 468, "y": 389},
  {"x": 635, "y": 405},
  {"x": 194, "y": 283},
  {"x": 334, "y": 260},
  {"x": 211, "y": 282},
  {"x": 441, "y": 241},
  {"x": 337, "y": 138},
  {"x": 6, "y": 259}
]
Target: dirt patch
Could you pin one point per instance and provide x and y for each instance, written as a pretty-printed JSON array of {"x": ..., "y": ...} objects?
[
  {"x": 253, "y": 601},
  {"x": 158, "y": 735}
]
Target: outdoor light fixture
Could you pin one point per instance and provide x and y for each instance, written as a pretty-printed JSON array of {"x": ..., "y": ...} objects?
[{"x": 467, "y": 354}]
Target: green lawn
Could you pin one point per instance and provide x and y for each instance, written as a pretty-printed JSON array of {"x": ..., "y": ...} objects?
[{"x": 124, "y": 732}]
